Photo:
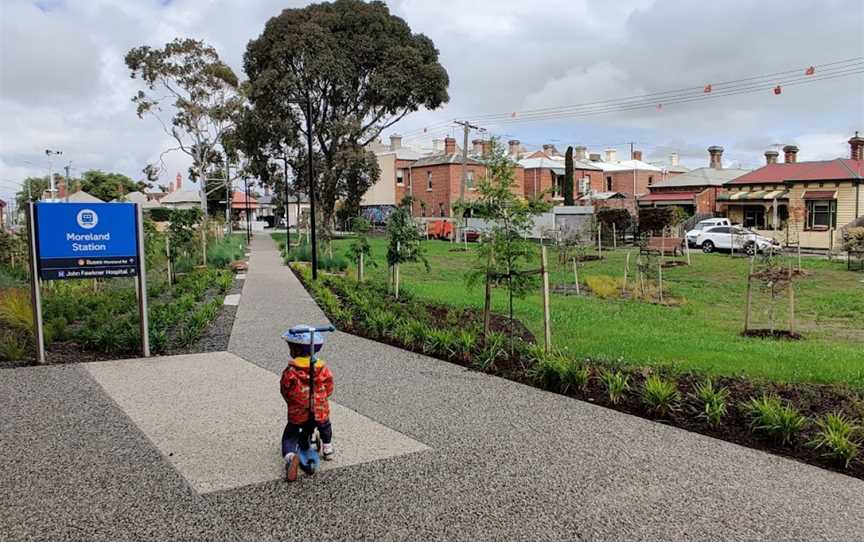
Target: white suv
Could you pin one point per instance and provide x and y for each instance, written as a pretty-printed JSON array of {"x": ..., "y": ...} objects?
[
  {"x": 725, "y": 237},
  {"x": 702, "y": 225}
]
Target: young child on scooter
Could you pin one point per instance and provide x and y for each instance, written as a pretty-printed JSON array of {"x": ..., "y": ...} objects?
[{"x": 295, "y": 390}]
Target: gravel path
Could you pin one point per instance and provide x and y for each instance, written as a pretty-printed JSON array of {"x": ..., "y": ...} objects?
[{"x": 506, "y": 461}]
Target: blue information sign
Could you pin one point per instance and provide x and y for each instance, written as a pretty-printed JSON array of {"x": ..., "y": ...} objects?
[{"x": 86, "y": 240}]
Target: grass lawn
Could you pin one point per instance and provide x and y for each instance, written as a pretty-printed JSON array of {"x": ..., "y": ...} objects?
[{"x": 702, "y": 333}]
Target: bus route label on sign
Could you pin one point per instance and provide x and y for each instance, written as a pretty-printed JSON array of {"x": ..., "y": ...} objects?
[{"x": 86, "y": 240}]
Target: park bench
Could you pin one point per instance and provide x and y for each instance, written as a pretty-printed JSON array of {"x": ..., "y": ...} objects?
[{"x": 664, "y": 246}]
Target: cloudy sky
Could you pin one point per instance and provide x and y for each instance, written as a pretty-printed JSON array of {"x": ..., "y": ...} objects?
[{"x": 64, "y": 86}]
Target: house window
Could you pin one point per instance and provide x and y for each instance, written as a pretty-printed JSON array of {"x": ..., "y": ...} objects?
[
  {"x": 469, "y": 181},
  {"x": 441, "y": 209},
  {"x": 608, "y": 184},
  {"x": 428, "y": 181},
  {"x": 821, "y": 214},
  {"x": 650, "y": 180},
  {"x": 558, "y": 186},
  {"x": 400, "y": 177}
]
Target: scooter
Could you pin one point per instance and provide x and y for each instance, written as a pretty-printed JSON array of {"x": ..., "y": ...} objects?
[{"x": 310, "y": 448}]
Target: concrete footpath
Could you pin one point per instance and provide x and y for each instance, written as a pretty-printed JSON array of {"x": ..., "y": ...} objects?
[{"x": 168, "y": 449}]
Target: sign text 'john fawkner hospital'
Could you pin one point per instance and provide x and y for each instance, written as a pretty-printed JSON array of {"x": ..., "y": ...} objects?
[{"x": 86, "y": 240}]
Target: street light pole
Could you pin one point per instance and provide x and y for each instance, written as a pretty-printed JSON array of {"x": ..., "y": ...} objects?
[
  {"x": 311, "y": 187},
  {"x": 53, "y": 189}
]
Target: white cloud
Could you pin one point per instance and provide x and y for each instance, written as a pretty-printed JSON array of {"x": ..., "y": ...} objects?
[{"x": 64, "y": 84}]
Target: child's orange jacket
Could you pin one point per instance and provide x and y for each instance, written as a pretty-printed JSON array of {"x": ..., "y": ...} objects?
[{"x": 295, "y": 390}]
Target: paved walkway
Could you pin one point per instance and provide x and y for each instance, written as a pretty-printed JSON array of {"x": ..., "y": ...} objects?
[{"x": 80, "y": 457}]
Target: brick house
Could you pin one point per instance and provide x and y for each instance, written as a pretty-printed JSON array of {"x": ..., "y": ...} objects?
[
  {"x": 544, "y": 172},
  {"x": 800, "y": 202},
  {"x": 435, "y": 181},
  {"x": 394, "y": 181},
  {"x": 695, "y": 191},
  {"x": 630, "y": 178}
]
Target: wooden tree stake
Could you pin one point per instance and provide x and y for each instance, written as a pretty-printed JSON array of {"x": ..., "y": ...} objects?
[
  {"x": 614, "y": 236},
  {"x": 360, "y": 269},
  {"x": 576, "y": 275},
  {"x": 749, "y": 297},
  {"x": 791, "y": 304},
  {"x": 626, "y": 269},
  {"x": 547, "y": 324}
]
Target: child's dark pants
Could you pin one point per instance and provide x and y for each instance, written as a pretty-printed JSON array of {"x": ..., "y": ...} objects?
[{"x": 295, "y": 436}]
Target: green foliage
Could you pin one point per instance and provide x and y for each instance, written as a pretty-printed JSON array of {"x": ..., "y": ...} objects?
[
  {"x": 375, "y": 71},
  {"x": 107, "y": 186},
  {"x": 188, "y": 78},
  {"x": 575, "y": 376},
  {"x": 661, "y": 396},
  {"x": 493, "y": 349},
  {"x": 183, "y": 231},
  {"x": 853, "y": 239},
  {"x": 31, "y": 187},
  {"x": 231, "y": 249},
  {"x": 303, "y": 253},
  {"x": 403, "y": 236},
  {"x": 160, "y": 214},
  {"x": 568, "y": 176},
  {"x": 775, "y": 418},
  {"x": 619, "y": 217},
  {"x": 656, "y": 219},
  {"x": 616, "y": 383},
  {"x": 838, "y": 437},
  {"x": 714, "y": 402},
  {"x": 360, "y": 244}
]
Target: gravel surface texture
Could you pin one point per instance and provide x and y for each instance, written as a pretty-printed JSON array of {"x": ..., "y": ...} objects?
[{"x": 507, "y": 461}]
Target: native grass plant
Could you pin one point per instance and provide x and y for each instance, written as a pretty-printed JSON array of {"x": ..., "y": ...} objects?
[
  {"x": 13, "y": 347},
  {"x": 493, "y": 349},
  {"x": 441, "y": 342},
  {"x": 838, "y": 438},
  {"x": 616, "y": 383},
  {"x": 775, "y": 418},
  {"x": 16, "y": 310},
  {"x": 714, "y": 402},
  {"x": 661, "y": 396},
  {"x": 604, "y": 287}
]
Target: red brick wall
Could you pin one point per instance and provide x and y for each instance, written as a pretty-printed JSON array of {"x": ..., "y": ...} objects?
[
  {"x": 405, "y": 188},
  {"x": 535, "y": 181}
]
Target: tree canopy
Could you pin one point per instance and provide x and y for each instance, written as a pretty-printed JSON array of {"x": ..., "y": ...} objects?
[{"x": 361, "y": 70}]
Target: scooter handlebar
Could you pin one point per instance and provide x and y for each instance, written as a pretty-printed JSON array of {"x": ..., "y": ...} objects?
[{"x": 325, "y": 329}]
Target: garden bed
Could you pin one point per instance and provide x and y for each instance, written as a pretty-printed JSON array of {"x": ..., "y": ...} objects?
[
  {"x": 777, "y": 334},
  {"x": 453, "y": 335}
]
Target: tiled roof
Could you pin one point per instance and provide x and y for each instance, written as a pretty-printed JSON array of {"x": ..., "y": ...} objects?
[
  {"x": 669, "y": 196},
  {"x": 703, "y": 176},
  {"x": 239, "y": 200},
  {"x": 823, "y": 170},
  {"x": 182, "y": 196},
  {"x": 439, "y": 159}
]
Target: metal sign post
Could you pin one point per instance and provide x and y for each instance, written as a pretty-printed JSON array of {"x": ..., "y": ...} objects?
[
  {"x": 35, "y": 286},
  {"x": 141, "y": 283}
]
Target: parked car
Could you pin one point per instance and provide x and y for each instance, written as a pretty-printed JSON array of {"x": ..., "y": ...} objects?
[
  {"x": 702, "y": 225},
  {"x": 725, "y": 237}
]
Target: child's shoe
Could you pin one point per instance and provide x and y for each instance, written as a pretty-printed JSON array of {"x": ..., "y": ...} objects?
[
  {"x": 327, "y": 451},
  {"x": 292, "y": 462}
]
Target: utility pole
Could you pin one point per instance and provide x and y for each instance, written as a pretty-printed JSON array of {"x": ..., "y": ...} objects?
[
  {"x": 53, "y": 188},
  {"x": 466, "y": 129}
]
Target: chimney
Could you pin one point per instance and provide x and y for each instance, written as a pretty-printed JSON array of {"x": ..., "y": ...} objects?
[
  {"x": 487, "y": 148},
  {"x": 580, "y": 153},
  {"x": 478, "y": 146},
  {"x": 716, "y": 157},
  {"x": 179, "y": 182},
  {"x": 673, "y": 159},
  {"x": 513, "y": 148},
  {"x": 594, "y": 157},
  {"x": 395, "y": 142},
  {"x": 856, "y": 147},
  {"x": 438, "y": 145},
  {"x": 449, "y": 145},
  {"x": 637, "y": 155},
  {"x": 611, "y": 155},
  {"x": 61, "y": 189},
  {"x": 790, "y": 154},
  {"x": 771, "y": 157}
]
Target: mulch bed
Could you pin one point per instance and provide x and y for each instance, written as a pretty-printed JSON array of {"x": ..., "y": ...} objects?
[
  {"x": 214, "y": 339},
  {"x": 812, "y": 400}
]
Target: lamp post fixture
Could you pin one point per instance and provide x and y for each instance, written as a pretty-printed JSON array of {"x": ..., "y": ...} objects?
[{"x": 49, "y": 153}]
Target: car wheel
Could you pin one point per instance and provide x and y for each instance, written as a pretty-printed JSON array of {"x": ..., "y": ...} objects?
[
  {"x": 750, "y": 249},
  {"x": 707, "y": 247}
]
